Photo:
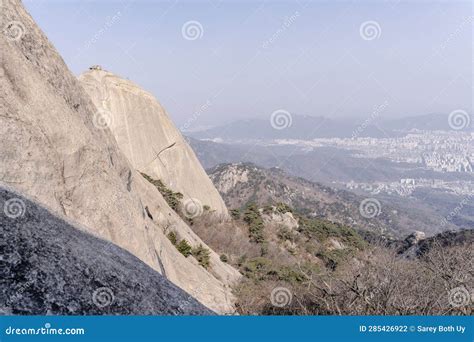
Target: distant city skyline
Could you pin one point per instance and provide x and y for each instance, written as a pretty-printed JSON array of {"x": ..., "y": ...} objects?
[{"x": 212, "y": 62}]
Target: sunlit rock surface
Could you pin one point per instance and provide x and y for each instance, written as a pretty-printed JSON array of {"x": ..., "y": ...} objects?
[
  {"x": 53, "y": 149},
  {"x": 149, "y": 139}
]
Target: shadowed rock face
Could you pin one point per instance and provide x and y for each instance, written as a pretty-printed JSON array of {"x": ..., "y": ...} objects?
[
  {"x": 48, "y": 266},
  {"x": 55, "y": 149},
  {"x": 149, "y": 139}
]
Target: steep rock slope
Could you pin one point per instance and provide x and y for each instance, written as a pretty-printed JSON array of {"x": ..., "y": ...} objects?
[
  {"x": 148, "y": 137},
  {"x": 52, "y": 148},
  {"x": 51, "y": 267}
]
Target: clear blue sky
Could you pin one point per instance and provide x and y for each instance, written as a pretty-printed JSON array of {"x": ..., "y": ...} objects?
[{"x": 248, "y": 62}]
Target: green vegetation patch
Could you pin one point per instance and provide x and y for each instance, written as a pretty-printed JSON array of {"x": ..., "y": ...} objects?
[
  {"x": 172, "y": 237},
  {"x": 283, "y": 208},
  {"x": 172, "y": 198},
  {"x": 254, "y": 221},
  {"x": 261, "y": 269},
  {"x": 202, "y": 255},
  {"x": 184, "y": 248},
  {"x": 322, "y": 230},
  {"x": 235, "y": 213}
]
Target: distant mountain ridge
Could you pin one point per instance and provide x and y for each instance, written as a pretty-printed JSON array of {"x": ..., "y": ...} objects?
[{"x": 303, "y": 127}]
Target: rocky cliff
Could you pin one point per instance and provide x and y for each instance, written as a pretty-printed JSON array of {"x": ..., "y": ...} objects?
[
  {"x": 50, "y": 267},
  {"x": 53, "y": 148},
  {"x": 148, "y": 137}
]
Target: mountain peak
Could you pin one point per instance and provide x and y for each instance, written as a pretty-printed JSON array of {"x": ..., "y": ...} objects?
[{"x": 148, "y": 137}]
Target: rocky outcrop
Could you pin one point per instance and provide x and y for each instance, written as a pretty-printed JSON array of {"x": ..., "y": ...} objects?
[
  {"x": 50, "y": 267},
  {"x": 54, "y": 148},
  {"x": 228, "y": 179},
  {"x": 149, "y": 139},
  {"x": 417, "y": 244},
  {"x": 415, "y": 238},
  {"x": 284, "y": 219}
]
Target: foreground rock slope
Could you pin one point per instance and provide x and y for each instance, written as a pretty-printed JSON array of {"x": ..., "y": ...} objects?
[
  {"x": 51, "y": 267},
  {"x": 53, "y": 148},
  {"x": 148, "y": 137}
]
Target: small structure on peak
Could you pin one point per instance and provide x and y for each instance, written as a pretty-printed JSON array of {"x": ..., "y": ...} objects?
[{"x": 95, "y": 67}]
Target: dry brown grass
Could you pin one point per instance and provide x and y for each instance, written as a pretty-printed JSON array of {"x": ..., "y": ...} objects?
[
  {"x": 373, "y": 281},
  {"x": 378, "y": 282},
  {"x": 225, "y": 236}
]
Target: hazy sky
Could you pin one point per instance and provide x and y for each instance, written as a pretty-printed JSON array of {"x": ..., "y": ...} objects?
[{"x": 245, "y": 59}]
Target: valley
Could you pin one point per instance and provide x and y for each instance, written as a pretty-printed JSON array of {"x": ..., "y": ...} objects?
[{"x": 428, "y": 171}]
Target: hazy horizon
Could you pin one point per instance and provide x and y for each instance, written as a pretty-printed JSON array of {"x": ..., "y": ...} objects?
[{"x": 244, "y": 60}]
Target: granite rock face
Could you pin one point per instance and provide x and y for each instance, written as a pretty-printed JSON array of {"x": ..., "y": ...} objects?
[
  {"x": 54, "y": 148},
  {"x": 149, "y": 139},
  {"x": 50, "y": 267}
]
